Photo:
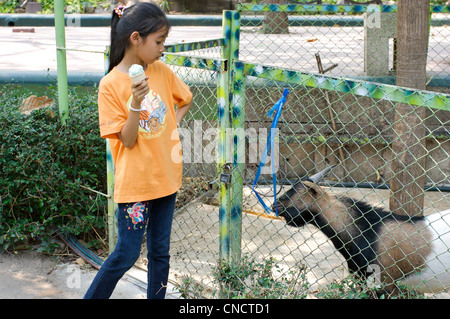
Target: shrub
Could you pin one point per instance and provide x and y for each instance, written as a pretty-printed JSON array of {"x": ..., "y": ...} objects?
[
  {"x": 48, "y": 6},
  {"x": 43, "y": 166}
]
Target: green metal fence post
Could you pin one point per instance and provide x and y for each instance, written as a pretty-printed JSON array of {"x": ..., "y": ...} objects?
[
  {"x": 60, "y": 36},
  {"x": 237, "y": 109},
  {"x": 223, "y": 151},
  {"x": 112, "y": 227},
  {"x": 231, "y": 135},
  {"x": 237, "y": 183},
  {"x": 223, "y": 113}
]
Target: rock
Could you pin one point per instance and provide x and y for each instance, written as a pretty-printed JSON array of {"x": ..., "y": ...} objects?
[
  {"x": 34, "y": 102},
  {"x": 33, "y": 7},
  {"x": 80, "y": 262}
]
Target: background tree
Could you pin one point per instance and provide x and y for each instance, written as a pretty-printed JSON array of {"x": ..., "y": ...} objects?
[
  {"x": 409, "y": 144},
  {"x": 275, "y": 22}
]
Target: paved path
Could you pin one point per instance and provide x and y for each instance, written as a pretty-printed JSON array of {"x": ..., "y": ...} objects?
[
  {"x": 344, "y": 46},
  {"x": 37, "y": 51}
]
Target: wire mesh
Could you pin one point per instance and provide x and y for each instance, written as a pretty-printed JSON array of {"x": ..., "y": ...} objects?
[
  {"x": 308, "y": 142},
  {"x": 324, "y": 124}
]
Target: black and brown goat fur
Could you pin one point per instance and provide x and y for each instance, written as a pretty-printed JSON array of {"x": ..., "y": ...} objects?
[{"x": 400, "y": 246}]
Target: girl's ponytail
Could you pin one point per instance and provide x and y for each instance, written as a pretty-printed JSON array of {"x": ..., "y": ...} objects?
[
  {"x": 117, "y": 50},
  {"x": 143, "y": 17}
]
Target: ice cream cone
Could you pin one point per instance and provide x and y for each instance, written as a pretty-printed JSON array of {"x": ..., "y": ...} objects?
[
  {"x": 137, "y": 78},
  {"x": 136, "y": 73}
]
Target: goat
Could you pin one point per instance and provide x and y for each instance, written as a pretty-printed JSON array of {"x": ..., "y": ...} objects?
[{"x": 412, "y": 250}]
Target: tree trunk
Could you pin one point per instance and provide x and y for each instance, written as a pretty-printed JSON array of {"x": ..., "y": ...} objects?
[
  {"x": 275, "y": 22},
  {"x": 409, "y": 145}
]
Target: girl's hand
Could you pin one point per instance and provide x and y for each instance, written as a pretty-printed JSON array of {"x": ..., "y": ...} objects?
[
  {"x": 140, "y": 90},
  {"x": 129, "y": 132}
]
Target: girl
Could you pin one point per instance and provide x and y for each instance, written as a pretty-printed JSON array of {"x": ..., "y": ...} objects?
[{"x": 146, "y": 177}]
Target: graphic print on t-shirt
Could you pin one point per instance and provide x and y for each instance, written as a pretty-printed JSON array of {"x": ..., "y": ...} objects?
[{"x": 152, "y": 116}]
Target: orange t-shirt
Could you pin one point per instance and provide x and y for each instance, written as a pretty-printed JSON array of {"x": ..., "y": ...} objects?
[{"x": 152, "y": 168}]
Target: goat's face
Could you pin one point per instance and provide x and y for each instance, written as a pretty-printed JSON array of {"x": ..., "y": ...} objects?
[{"x": 298, "y": 204}]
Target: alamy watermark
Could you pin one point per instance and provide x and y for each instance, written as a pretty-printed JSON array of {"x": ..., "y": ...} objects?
[
  {"x": 73, "y": 280},
  {"x": 373, "y": 17},
  {"x": 73, "y": 20},
  {"x": 374, "y": 279},
  {"x": 243, "y": 146}
]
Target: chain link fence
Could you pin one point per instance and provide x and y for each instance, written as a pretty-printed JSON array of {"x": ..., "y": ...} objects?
[
  {"x": 359, "y": 40},
  {"x": 360, "y": 143},
  {"x": 329, "y": 120},
  {"x": 326, "y": 120}
]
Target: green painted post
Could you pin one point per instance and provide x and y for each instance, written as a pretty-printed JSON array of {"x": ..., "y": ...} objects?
[
  {"x": 231, "y": 142},
  {"x": 112, "y": 227},
  {"x": 237, "y": 108},
  {"x": 434, "y": 100},
  {"x": 224, "y": 142},
  {"x": 223, "y": 153},
  {"x": 63, "y": 96}
]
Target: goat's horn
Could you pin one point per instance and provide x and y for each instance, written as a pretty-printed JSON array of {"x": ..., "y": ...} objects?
[{"x": 317, "y": 177}]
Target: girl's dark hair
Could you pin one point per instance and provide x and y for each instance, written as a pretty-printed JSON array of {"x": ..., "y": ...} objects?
[{"x": 143, "y": 17}]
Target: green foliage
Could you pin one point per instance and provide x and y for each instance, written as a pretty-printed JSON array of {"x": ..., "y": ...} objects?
[
  {"x": 249, "y": 279},
  {"x": 72, "y": 6},
  {"x": 8, "y": 6},
  {"x": 165, "y": 5},
  {"x": 43, "y": 166}
]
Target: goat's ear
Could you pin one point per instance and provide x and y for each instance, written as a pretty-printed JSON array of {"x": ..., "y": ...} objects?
[{"x": 313, "y": 188}]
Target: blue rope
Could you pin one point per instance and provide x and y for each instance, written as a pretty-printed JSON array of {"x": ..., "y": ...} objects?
[{"x": 269, "y": 149}]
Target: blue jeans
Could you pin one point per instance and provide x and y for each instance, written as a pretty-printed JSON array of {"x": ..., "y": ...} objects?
[{"x": 132, "y": 220}]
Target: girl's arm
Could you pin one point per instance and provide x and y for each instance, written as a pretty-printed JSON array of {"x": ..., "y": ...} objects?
[
  {"x": 130, "y": 130},
  {"x": 181, "y": 112}
]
